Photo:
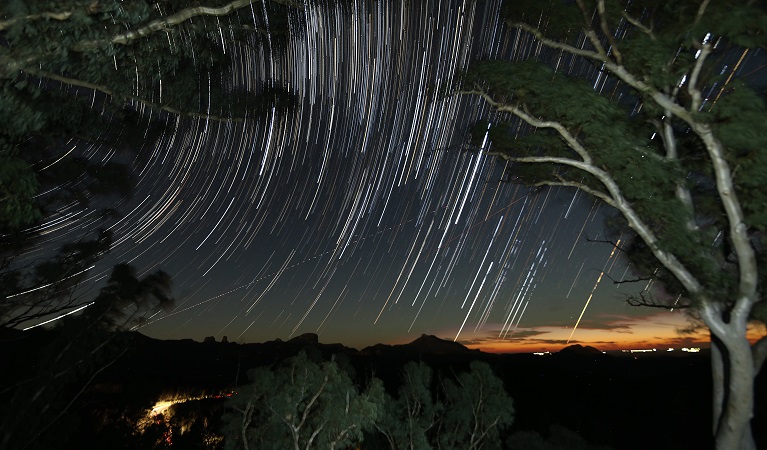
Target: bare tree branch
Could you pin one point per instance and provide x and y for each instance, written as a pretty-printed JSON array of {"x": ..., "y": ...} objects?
[
  {"x": 668, "y": 260},
  {"x": 725, "y": 188},
  {"x": 681, "y": 191},
  {"x": 27, "y": 315},
  {"x": 311, "y": 402},
  {"x": 701, "y": 10},
  {"x": 78, "y": 394},
  {"x": 619, "y": 71},
  {"x": 558, "y": 45},
  {"x": 604, "y": 241},
  {"x": 715, "y": 149},
  {"x": 692, "y": 84},
  {"x": 482, "y": 436},
  {"x": 644, "y": 29},
  {"x": 566, "y": 135},
  {"x": 386, "y": 434},
  {"x": 738, "y": 229},
  {"x": 588, "y": 30},
  {"x": 650, "y": 302},
  {"x": 186, "y": 14},
  {"x": 668, "y": 136},
  {"x": 606, "y": 30},
  {"x": 45, "y": 301},
  {"x": 341, "y": 435},
  {"x": 630, "y": 280},
  {"x": 599, "y": 194},
  {"x": 63, "y": 15},
  {"x": 106, "y": 90}
]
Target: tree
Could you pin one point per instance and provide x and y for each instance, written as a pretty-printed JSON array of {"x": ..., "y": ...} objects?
[
  {"x": 675, "y": 148},
  {"x": 477, "y": 407},
  {"x": 78, "y": 75},
  {"x": 407, "y": 420},
  {"x": 69, "y": 70},
  {"x": 467, "y": 411},
  {"x": 83, "y": 89},
  {"x": 301, "y": 405},
  {"x": 62, "y": 363}
]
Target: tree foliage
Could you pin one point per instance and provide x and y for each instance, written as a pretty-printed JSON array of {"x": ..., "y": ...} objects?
[
  {"x": 410, "y": 421},
  {"x": 85, "y": 88},
  {"x": 301, "y": 405},
  {"x": 641, "y": 105},
  {"x": 76, "y": 80},
  {"x": 468, "y": 410},
  {"x": 78, "y": 71},
  {"x": 61, "y": 363},
  {"x": 476, "y": 409}
]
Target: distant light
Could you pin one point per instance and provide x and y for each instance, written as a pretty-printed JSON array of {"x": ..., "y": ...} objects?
[
  {"x": 161, "y": 406},
  {"x": 691, "y": 349}
]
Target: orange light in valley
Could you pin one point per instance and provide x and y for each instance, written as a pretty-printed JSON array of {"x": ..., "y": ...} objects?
[{"x": 162, "y": 406}]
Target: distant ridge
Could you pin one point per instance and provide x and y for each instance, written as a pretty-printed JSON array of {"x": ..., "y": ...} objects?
[
  {"x": 424, "y": 345},
  {"x": 579, "y": 350},
  {"x": 434, "y": 345},
  {"x": 306, "y": 338}
]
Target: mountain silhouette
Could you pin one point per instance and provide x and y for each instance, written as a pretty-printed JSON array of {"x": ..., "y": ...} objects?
[
  {"x": 434, "y": 345},
  {"x": 306, "y": 338},
  {"x": 543, "y": 388},
  {"x": 424, "y": 345},
  {"x": 577, "y": 350}
]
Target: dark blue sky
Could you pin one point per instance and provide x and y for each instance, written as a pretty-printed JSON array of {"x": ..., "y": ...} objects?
[{"x": 358, "y": 216}]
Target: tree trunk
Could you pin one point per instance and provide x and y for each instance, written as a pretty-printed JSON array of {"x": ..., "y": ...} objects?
[
  {"x": 733, "y": 373},
  {"x": 718, "y": 370}
]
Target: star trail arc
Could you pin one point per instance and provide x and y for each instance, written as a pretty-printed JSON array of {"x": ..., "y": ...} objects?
[{"x": 357, "y": 211}]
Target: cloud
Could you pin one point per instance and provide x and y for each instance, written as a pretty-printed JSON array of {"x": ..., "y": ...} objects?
[
  {"x": 520, "y": 338},
  {"x": 496, "y": 336},
  {"x": 553, "y": 341},
  {"x": 610, "y": 322}
]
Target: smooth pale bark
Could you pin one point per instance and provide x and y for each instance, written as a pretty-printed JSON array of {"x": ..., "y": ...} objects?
[
  {"x": 733, "y": 372},
  {"x": 246, "y": 417},
  {"x": 721, "y": 368},
  {"x": 733, "y": 369},
  {"x": 718, "y": 371},
  {"x": 734, "y": 362},
  {"x": 735, "y": 423},
  {"x": 62, "y": 15}
]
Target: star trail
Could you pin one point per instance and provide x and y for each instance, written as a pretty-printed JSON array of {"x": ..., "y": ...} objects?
[{"x": 360, "y": 215}]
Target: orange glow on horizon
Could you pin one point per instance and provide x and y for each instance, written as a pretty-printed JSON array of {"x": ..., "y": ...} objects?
[
  {"x": 531, "y": 347},
  {"x": 659, "y": 331}
]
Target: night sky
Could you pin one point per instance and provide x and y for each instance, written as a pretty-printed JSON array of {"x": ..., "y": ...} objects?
[{"x": 358, "y": 216}]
